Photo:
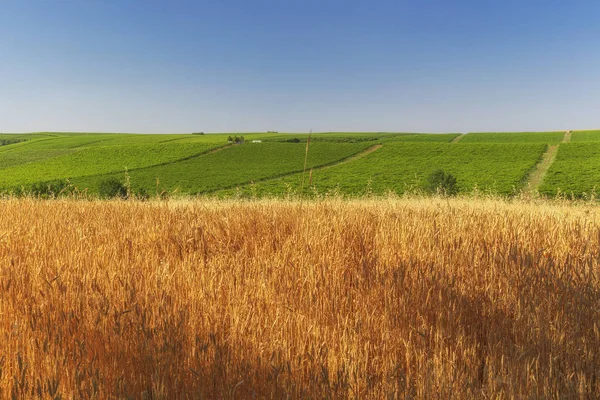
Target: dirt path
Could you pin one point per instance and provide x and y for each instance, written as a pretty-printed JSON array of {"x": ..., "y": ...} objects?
[
  {"x": 355, "y": 157},
  {"x": 218, "y": 149},
  {"x": 457, "y": 139},
  {"x": 537, "y": 176},
  {"x": 346, "y": 160}
]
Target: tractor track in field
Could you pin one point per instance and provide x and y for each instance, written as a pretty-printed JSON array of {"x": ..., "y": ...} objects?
[
  {"x": 209, "y": 151},
  {"x": 22, "y": 144},
  {"x": 458, "y": 138},
  {"x": 349, "y": 159},
  {"x": 354, "y": 157},
  {"x": 346, "y": 160},
  {"x": 536, "y": 177}
]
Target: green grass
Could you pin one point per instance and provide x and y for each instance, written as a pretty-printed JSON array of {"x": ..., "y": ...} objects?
[
  {"x": 13, "y": 138},
  {"x": 236, "y": 165},
  {"x": 585, "y": 136},
  {"x": 185, "y": 163},
  {"x": 398, "y": 167},
  {"x": 85, "y": 161},
  {"x": 352, "y": 137},
  {"x": 8, "y": 141},
  {"x": 42, "y": 147},
  {"x": 514, "y": 137},
  {"x": 16, "y": 136},
  {"x": 426, "y": 137},
  {"x": 575, "y": 171}
]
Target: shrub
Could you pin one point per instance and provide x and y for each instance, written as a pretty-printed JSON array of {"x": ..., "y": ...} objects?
[
  {"x": 112, "y": 188},
  {"x": 50, "y": 189},
  {"x": 443, "y": 183},
  {"x": 5, "y": 142},
  {"x": 141, "y": 194}
]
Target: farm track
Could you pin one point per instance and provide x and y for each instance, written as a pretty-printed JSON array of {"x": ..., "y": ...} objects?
[
  {"x": 51, "y": 137},
  {"x": 173, "y": 140},
  {"x": 89, "y": 143},
  {"x": 537, "y": 175},
  {"x": 355, "y": 157},
  {"x": 23, "y": 144},
  {"x": 211, "y": 151},
  {"x": 346, "y": 160},
  {"x": 457, "y": 139}
]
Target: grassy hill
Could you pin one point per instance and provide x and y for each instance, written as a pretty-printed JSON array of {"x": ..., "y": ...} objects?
[
  {"x": 399, "y": 167},
  {"x": 514, "y": 137},
  {"x": 269, "y": 164}
]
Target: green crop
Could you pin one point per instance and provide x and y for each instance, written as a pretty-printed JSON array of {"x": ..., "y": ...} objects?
[
  {"x": 236, "y": 165},
  {"x": 585, "y": 136},
  {"x": 351, "y": 137},
  {"x": 575, "y": 172},
  {"x": 398, "y": 162},
  {"x": 96, "y": 160},
  {"x": 514, "y": 137},
  {"x": 398, "y": 167}
]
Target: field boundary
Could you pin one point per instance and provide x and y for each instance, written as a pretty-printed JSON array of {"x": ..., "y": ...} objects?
[
  {"x": 209, "y": 151},
  {"x": 23, "y": 144},
  {"x": 536, "y": 177},
  {"x": 96, "y": 141},
  {"x": 205, "y": 152},
  {"x": 351, "y": 158},
  {"x": 458, "y": 138}
]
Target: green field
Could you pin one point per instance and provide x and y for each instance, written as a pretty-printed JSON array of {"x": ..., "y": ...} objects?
[
  {"x": 575, "y": 172},
  {"x": 585, "y": 136},
  {"x": 496, "y": 168},
  {"x": 98, "y": 160},
  {"x": 381, "y": 137},
  {"x": 514, "y": 137},
  {"x": 268, "y": 164},
  {"x": 235, "y": 165},
  {"x": 6, "y": 139}
]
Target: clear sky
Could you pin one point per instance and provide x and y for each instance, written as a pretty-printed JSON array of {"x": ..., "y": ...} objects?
[{"x": 292, "y": 65}]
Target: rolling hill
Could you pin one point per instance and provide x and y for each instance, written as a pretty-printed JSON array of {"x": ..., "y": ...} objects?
[{"x": 272, "y": 164}]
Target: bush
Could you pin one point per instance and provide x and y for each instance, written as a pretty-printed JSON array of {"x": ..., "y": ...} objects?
[
  {"x": 141, "y": 194},
  {"x": 440, "y": 182},
  {"x": 49, "y": 189},
  {"x": 235, "y": 139},
  {"x": 112, "y": 188},
  {"x": 5, "y": 142}
]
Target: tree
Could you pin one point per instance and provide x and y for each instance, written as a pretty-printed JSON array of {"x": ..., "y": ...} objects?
[
  {"x": 440, "y": 182},
  {"x": 111, "y": 188}
]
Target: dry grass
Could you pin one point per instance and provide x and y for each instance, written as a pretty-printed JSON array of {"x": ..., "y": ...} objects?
[{"x": 405, "y": 298}]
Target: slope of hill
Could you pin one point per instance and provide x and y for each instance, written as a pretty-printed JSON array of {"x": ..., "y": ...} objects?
[{"x": 268, "y": 164}]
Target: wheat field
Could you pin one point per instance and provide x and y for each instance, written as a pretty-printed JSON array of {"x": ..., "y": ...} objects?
[{"x": 384, "y": 299}]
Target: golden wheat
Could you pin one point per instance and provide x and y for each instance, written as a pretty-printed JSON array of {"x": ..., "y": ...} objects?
[{"x": 396, "y": 298}]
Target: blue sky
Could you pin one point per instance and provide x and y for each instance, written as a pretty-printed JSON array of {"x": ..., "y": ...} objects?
[{"x": 287, "y": 65}]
